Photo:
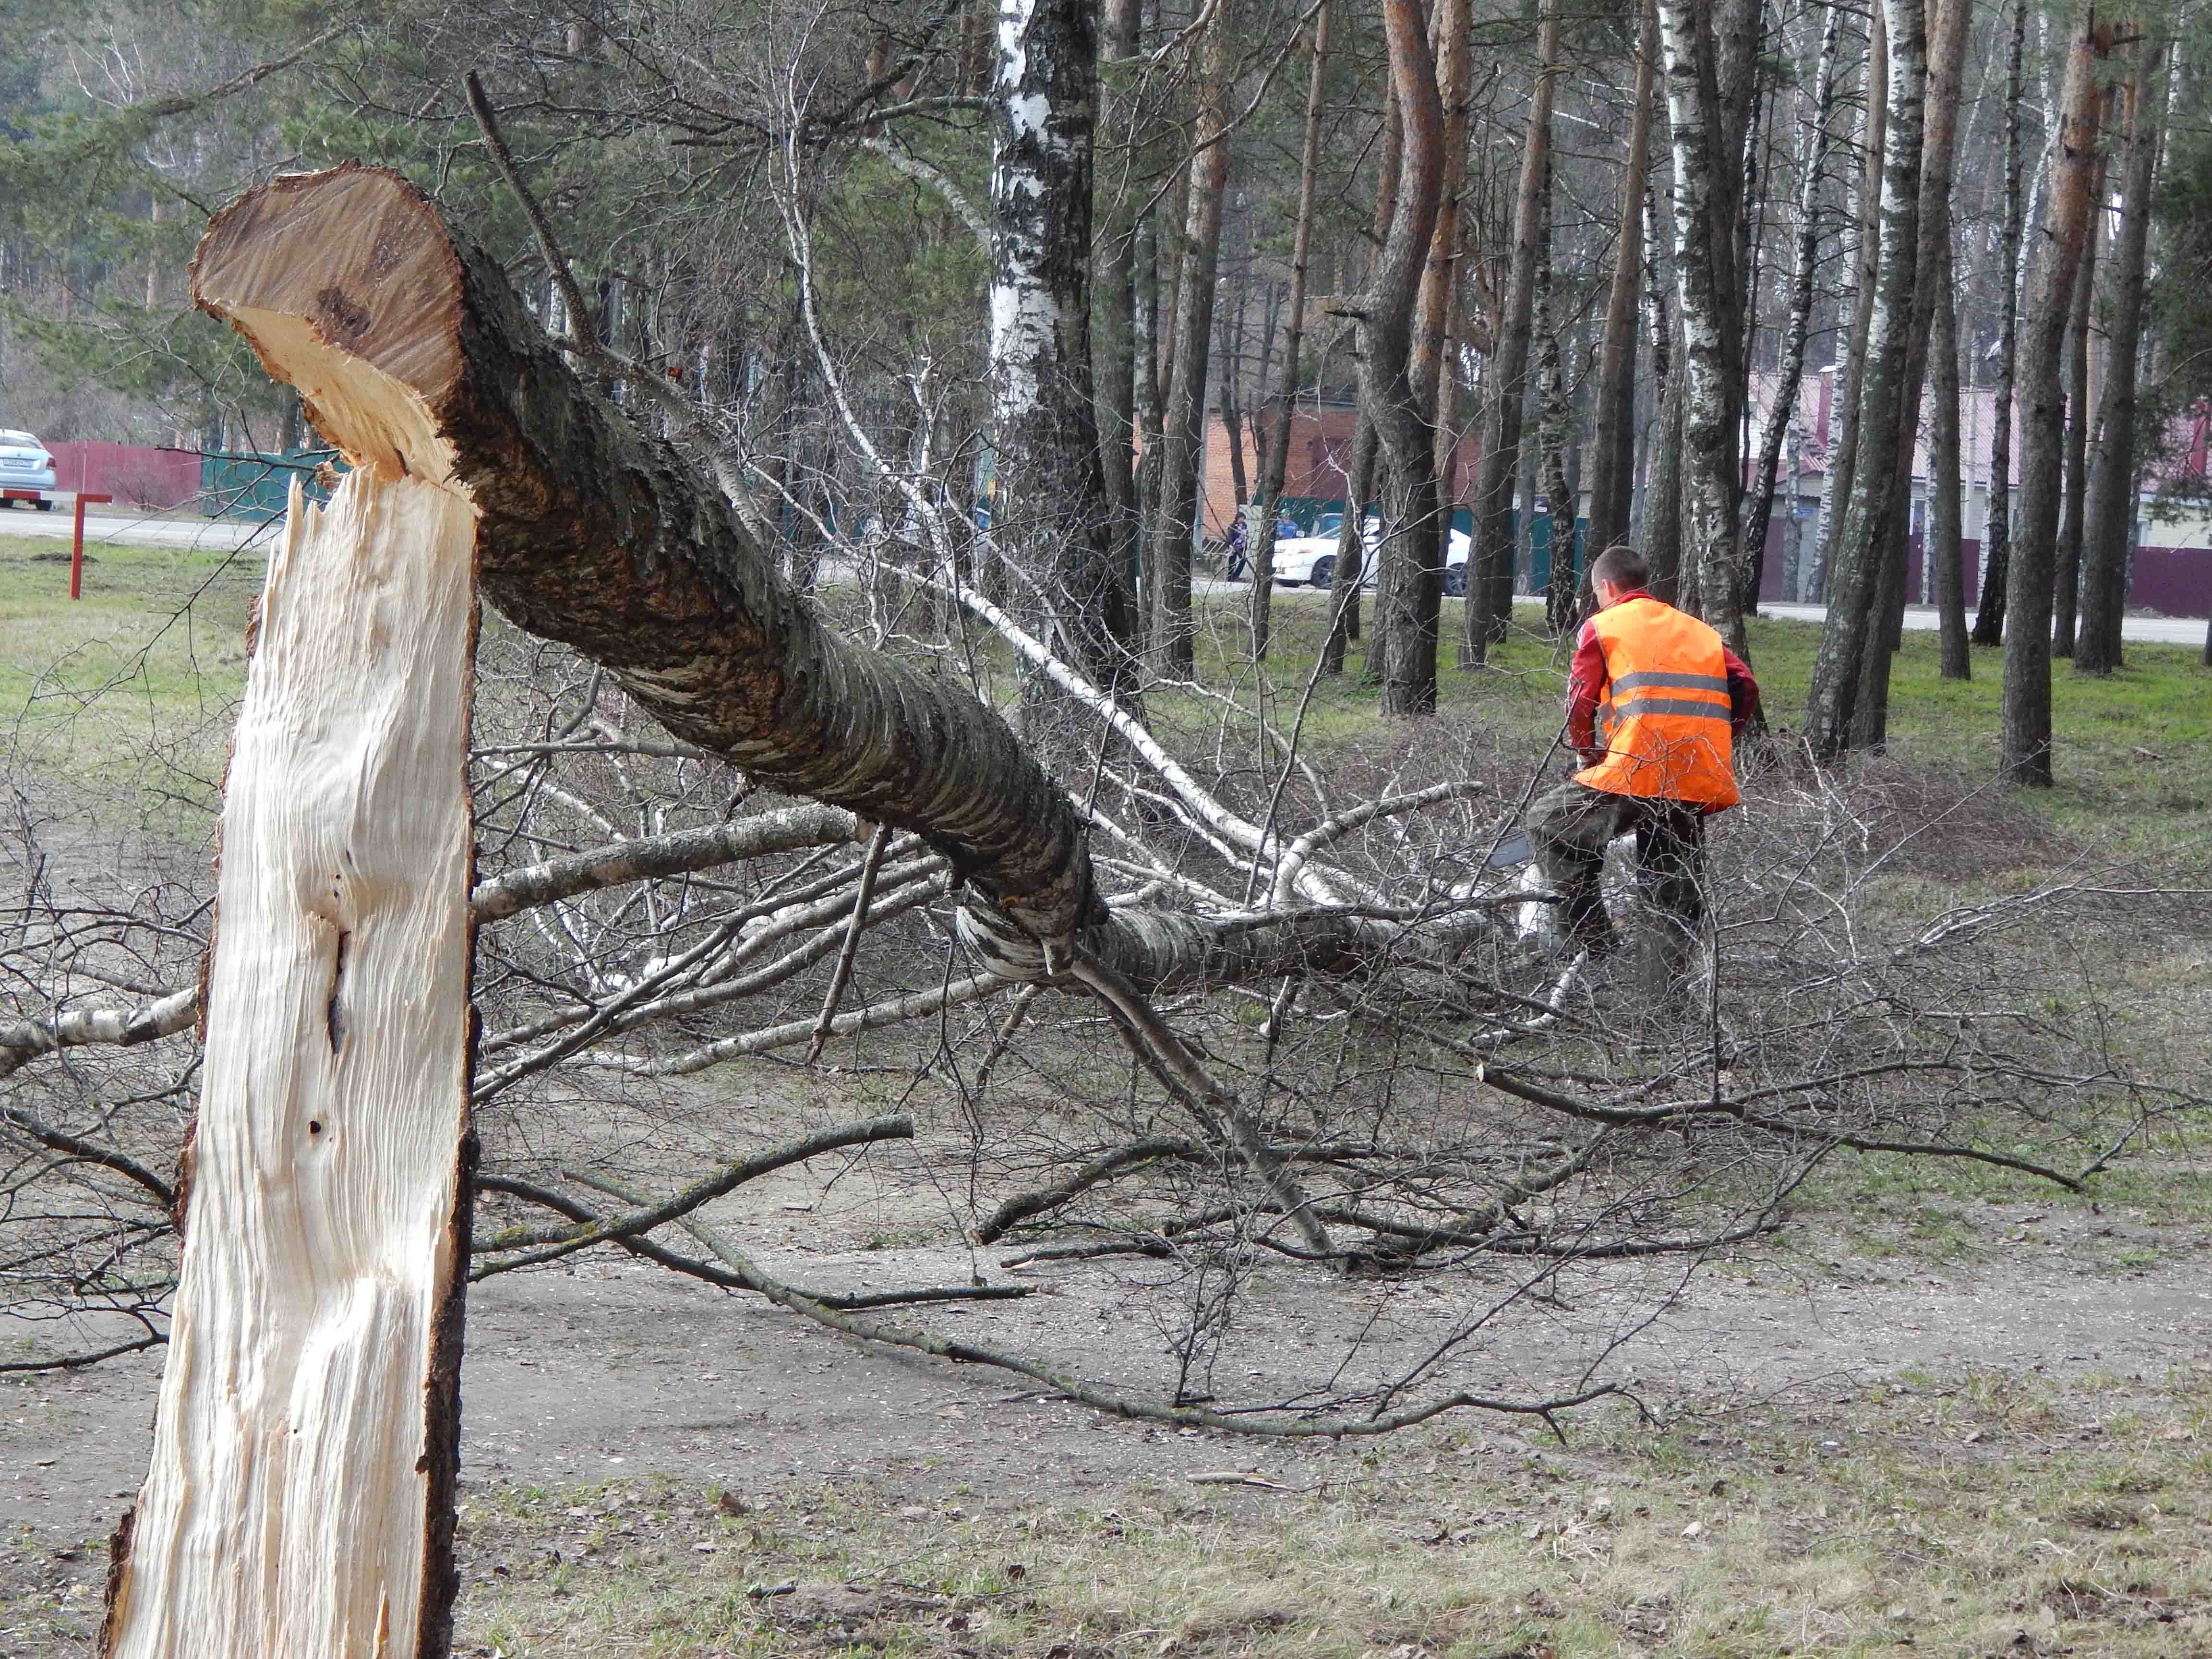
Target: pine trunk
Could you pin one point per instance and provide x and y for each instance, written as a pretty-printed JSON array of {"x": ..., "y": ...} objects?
[
  {"x": 1386, "y": 343},
  {"x": 1943, "y": 547},
  {"x": 1174, "y": 527},
  {"x": 1114, "y": 258},
  {"x": 2027, "y": 742},
  {"x": 2112, "y": 485},
  {"x": 1996, "y": 535},
  {"x": 1277, "y": 464},
  {"x": 1612, "y": 425},
  {"x": 2066, "y": 591},
  {"x": 1491, "y": 546}
]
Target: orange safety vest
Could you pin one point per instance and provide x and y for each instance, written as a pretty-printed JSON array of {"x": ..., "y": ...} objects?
[{"x": 1665, "y": 717}]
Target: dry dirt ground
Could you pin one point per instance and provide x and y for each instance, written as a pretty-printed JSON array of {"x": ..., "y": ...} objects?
[{"x": 608, "y": 1371}]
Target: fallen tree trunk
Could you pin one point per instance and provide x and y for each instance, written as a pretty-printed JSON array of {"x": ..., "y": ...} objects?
[
  {"x": 602, "y": 537},
  {"x": 299, "y": 1499}
]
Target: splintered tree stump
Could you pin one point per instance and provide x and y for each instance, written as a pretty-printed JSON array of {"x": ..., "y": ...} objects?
[{"x": 299, "y": 1501}]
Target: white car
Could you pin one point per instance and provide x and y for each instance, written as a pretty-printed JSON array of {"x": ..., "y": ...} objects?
[
  {"x": 1311, "y": 560},
  {"x": 27, "y": 470}
]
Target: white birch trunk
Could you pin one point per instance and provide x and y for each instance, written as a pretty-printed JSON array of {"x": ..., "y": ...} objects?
[{"x": 300, "y": 1497}]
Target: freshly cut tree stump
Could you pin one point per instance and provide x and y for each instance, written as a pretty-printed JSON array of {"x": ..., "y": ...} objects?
[{"x": 300, "y": 1502}]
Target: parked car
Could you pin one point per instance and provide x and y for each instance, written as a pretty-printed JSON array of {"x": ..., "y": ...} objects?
[
  {"x": 1311, "y": 560},
  {"x": 25, "y": 464}
]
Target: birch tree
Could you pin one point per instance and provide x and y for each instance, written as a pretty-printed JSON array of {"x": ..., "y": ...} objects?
[
  {"x": 1053, "y": 520},
  {"x": 1612, "y": 426},
  {"x": 1704, "y": 235},
  {"x": 1852, "y": 632}
]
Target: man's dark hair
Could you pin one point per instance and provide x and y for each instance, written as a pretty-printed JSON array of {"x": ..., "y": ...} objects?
[{"x": 1622, "y": 566}]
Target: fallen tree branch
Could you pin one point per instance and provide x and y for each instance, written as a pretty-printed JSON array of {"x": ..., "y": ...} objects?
[
  {"x": 1265, "y": 1422},
  {"x": 536, "y": 1247}
]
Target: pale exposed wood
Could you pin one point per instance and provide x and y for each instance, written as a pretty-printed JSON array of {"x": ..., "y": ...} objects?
[{"x": 300, "y": 1496}]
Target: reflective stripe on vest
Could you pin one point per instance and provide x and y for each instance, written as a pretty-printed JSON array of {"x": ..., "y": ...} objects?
[{"x": 1665, "y": 719}]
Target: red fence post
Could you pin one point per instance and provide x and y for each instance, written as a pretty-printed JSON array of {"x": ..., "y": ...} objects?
[{"x": 77, "y": 545}]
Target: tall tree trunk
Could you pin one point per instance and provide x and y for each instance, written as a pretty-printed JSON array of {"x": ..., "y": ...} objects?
[
  {"x": 1945, "y": 71},
  {"x": 1051, "y": 521},
  {"x": 1706, "y": 177},
  {"x": 1491, "y": 546},
  {"x": 1114, "y": 260},
  {"x": 1863, "y": 261},
  {"x": 2078, "y": 416},
  {"x": 2074, "y": 172},
  {"x": 1942, "y": 546},
  {"x": 1612, "y": 423},
  {"x": 1385, "y": 333},
  {"x": 1277, "y": 462},
  {"x": 1169, "y": 641},
  {"x": 1663, "y": 471},
  {"x": 1781, "y": 413},
  {"x": 1226, "y": 375},
  {"x": 1996, "y": 535},
  {"x": 1352, "y": 550},
  {"x": 1553, "y": 437},
  {"x": 2112, "y": 485},
  {"x": 1409, "y": 595},
  {"x": 1852, "y": 632}
]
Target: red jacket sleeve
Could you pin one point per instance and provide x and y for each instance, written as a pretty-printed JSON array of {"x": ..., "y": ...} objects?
[
  {"x": 1743, "y": 692},
  {"x": 1586, "y": 683}
]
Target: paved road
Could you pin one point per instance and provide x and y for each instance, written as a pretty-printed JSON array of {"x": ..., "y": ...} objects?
[
  {"x": 131, "y": 530},
  {"x": 2150, "y": 630}
]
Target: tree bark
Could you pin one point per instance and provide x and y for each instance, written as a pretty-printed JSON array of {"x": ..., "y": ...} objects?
[
  {"x": 1385, "y": 335},
  {"x": 1169, "y": 640},
  {"x": 1996, "y": 535},
  {"x": 1612, "y": 424},
  {"x": 1781, "y": 413},
  {"x": 1863, "y": 261},
  {"x": 1703, "y": 228},
  {"x": 2112, "y": 485},
  {"x": 1552, "y": 436},
  {"x": 1113, "y": 332},
  {"x": 1942, "y": 546},
  {"x": 2074, "y": 502},
  {"x": 1277, "y": 462},
  {"x": 1852, "y": 632},
  {"x": 2074, "y": 171},
  {"x": 1944, "y": 72},
  {"x": 1491, "y": 547},
  {"x": 300, "y": 1495},
  {"x": 1051, "y": 521}
]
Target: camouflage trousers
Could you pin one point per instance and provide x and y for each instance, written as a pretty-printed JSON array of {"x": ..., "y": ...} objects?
[{"x": 1570, "y": 827}]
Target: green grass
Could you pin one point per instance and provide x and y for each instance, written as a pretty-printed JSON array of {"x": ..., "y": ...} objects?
[
  {"x": 135, "y": 683},
  {"x": 1919, "y": 1514}
]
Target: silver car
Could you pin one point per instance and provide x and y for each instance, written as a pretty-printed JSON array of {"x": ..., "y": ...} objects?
[{"x": 25, "y": 464}]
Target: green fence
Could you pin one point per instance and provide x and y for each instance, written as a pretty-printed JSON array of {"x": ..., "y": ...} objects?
[{"x": 257, "y": 486}]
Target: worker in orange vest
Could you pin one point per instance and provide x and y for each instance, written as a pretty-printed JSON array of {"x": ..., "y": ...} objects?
[{"x": 1655, "y": 700}]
